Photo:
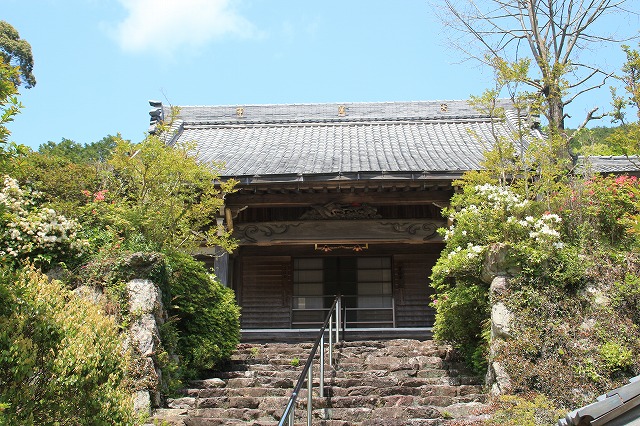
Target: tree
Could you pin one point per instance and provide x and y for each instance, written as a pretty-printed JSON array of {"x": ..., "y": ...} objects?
[
  {"x": 165, "y": 195},
  {"x": 545, "y": 36},
  {"x": 17, "y": 52},
  {"x": 9, "y": 104},
  {"x": 626, "y": 138},
  {"x": 16, "y": 68},
  {"x": 99, "y": 151}
]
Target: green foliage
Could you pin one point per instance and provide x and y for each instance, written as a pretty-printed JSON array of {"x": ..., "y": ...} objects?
[
  {"x": 567, "y": 338},
  {"x": 595, "y": 141},
  {"x": 204, "y": 326},
  {"x": 536, "y": 166},
  {"x": 14, "y": 50},
  {"x": 148, "y": 197},
  {"x": 61, "y": 359},
  {"x": 16, "y": 68},
  {"x": 59, "y": 180},
  {"x": 574, "y": 286},
  {"x": 625, "y": 296},
  {"x": 489, "y": 220},
  {"x": 625, "y": 139},
  {"x": 164, "y": 194},
  {"x": 615, "y": 356},
  {"x": 525, "y": 410},
  {"x": 63, "y": 172},
  {"x": 461, "y": 317},
  {"x": 601, "y": 210},
  {"x": 631, "y": 80},
  {"x": 94, "y": 152},
  {"x": 147, "y": 194},
  {"x": 9, "y": 108},
  {"x": 208, "y": 318}
]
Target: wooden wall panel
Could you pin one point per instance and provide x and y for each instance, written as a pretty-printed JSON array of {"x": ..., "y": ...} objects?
[
  {"x": 265, "y": 290},
  {"x": 412, "y": 290}
]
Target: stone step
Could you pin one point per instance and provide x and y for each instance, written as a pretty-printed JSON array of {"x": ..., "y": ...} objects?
[
  {"x": 286, "y": 378},
  {"x": 356, "y": 397},
  {"x": 386, "y": 383},
  {"x": 362, "y": 414}
]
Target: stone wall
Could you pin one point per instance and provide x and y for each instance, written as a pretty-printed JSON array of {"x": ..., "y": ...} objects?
[
  {"x": 146, "y": 315},
  {"x": 497, "y": 272}
]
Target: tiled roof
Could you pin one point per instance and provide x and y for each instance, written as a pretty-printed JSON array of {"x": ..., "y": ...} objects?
[
  {"x": 427, "y": 137},
  {"x": 610, "y": 164},
  {"x": 617, "y": 407}
]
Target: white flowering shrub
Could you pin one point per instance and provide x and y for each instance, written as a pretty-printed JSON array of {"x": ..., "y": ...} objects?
[
  {"x": 481, "y": 217},
  {"x": 487, "y": 214},
  {"x": 28, "y": 231}
]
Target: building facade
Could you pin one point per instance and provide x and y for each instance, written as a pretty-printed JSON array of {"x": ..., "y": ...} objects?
[{"x": 339, "y": 199}]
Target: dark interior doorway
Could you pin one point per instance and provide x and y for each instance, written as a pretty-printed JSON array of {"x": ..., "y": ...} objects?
[{"x": 364, "y": 283}]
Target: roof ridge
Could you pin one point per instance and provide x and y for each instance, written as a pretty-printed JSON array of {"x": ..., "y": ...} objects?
[
  {"x": 332, "y": 112},
  {"x": 434, "y": 101},
  {"x": 343, "y": 120}
]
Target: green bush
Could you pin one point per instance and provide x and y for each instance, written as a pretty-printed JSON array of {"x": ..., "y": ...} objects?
[
  {"x": 461, "y": 319},
  {"x": 31, "y": 232},
  {"x": 203, "y": 327},
  {"x": 600, "y": 210},
  {"x": 61, "y": 359},
  {"x": 525, "y": 410},
  {"x": 574, "y": 290},
  {"x": 615, "y": 356},
  {"x": 487, "y": 219},
  {"x": 208, "y": 317}
]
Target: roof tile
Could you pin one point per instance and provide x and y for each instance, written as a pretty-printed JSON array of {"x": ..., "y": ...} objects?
[{"x": 314, "y": 139}]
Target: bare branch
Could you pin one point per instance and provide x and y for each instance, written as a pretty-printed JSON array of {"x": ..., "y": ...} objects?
[
  {"x": 597, "y": 86},
  {"x": 569, "y": 138},
  {"x": 555, "y": 31}
]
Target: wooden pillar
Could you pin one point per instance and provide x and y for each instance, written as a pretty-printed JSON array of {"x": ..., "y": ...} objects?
[{"x": 221, "y": 266}]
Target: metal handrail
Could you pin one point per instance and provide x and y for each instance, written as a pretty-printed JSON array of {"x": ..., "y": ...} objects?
[{"x": 307, "y": 371}]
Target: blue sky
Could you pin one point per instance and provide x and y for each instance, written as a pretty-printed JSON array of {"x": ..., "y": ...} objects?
[{"x": 98, "y": 62}]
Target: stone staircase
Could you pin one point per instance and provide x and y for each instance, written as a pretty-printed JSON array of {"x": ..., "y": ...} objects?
[{"x": 386, "y": 383}]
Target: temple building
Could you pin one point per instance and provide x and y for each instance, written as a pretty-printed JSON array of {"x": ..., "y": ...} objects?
[{"x": 340, "y": 198}]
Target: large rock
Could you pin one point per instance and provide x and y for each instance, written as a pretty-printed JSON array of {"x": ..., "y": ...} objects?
[
  {"x": 92, "y": 294},
  {"x": 497, "y": 263},
  {"x": 145, "y": 298},
  {"x": 501, "y": 381},
  {"x": 501, "y": 319},
  {"x": 499, "y": 285},
  {"x": 142, "y": 402},
  {"x": 496, "y": 271},
  {"x": 145, "y": 335}
]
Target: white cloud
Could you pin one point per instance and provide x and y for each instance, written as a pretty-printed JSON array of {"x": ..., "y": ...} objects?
[{"x": 164, "y": 26}]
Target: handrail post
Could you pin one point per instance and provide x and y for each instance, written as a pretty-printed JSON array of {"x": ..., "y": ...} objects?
[
  {"x": 331, "y": 340},
  {"x": 309, "y": 394},
  {"x": 393, "y": 311},
  {"x": 321, "y": 387},
  {"x": 288, "y": 416},
  {"x": 338, "y": 319},
  {"x": 291, "y": 415}
]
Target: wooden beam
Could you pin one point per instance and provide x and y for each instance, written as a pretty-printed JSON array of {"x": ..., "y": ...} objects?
[
  {"x": 308, "y": 199},
  {"x": 339, "y": 232}
]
